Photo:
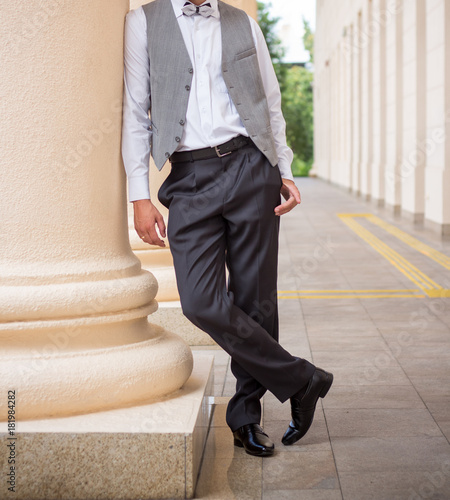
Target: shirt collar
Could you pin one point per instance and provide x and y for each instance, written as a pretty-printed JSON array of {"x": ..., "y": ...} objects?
[{"x": 178, "y": 4}]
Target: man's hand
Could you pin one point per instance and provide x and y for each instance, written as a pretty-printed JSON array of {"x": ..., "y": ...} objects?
[
  {"x": 146, "y": 218},
  {"x": 292, "y": 196}
]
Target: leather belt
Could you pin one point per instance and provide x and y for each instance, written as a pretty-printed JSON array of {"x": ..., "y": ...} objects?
[{"x": 206, "y": 153}]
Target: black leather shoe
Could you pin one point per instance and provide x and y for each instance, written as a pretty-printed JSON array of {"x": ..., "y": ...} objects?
[
  {"x": 254, "y": 440},
  {"x": 303, "y": 407}
]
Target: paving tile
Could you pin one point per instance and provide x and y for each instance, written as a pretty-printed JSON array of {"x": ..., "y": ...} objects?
[
  {"x": 381, "y": 423},
  {"x": 372, "y": 396},
  {"x": 330, "y": 360},
  {"x": 326, "y": 494},
  {"x": 339, "y": 342},
  {"x": 371, "y": 374},
  {"x": 331, "y": 329},
  {"x": 428, "y": 386},
  {"x": 411, "y": 484},
  {"x": 300, "y": 471},
  {"x": 427, "y": 366},
  {"x": 377, "y": 455},
  {"x": 230, "y": 478}
]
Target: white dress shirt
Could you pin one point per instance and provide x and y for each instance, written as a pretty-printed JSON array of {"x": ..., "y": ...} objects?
[{"x": 211, "y": 117}]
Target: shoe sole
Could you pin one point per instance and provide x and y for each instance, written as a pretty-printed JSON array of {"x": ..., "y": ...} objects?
[
  {"x": 323, "y": 392},
  {"x": 267, "y": 453}
]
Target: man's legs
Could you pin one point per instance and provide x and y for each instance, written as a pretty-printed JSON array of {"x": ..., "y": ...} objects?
[
  {"x": 252, "y": 257},
  {"x": 204, "y": 198}
]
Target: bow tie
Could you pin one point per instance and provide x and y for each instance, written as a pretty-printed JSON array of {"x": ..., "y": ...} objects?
[{"x": 204, "y": 10}]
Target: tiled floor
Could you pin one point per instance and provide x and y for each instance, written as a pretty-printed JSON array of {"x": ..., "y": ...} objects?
[{"x": 383, "y": 431}]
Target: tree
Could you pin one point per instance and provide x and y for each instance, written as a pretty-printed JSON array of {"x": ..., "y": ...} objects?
[
  {"x": 308, "y": 40},
  {"x": 297, "y": 105},
  {"x": 296, "y": 92},
  {"x": 276, "y": 49}
]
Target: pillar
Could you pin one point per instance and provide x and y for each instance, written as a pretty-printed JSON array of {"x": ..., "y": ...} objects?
[
  {"x": 378, "y": 32},
  {"x": 394, "y": 104},
  {"x": 437, "y": 171},
  {"x": 356, "y": 105},
  {"x": 412, "y": 171},
  {"x": 366, "y": 100},
  {"x": 74, "y": 299},
  {"x": 347, "y": 105},
  {"x": 75, "y": 341}
]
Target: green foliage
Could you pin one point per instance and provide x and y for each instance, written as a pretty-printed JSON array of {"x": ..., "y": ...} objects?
[
  {"x": 276, "y": 49},
  {"x": 296, "y": 91},
  {"x": 308, "y": 40},
  {"x": 297, "y": 105},
  {"x": 301, "y": 168}
]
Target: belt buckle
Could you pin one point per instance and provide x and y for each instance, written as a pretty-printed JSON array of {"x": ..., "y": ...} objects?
[{"x": 219, "y": 154}]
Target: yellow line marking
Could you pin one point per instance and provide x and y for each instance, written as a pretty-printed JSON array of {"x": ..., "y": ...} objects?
[
  {"x": 349, "y": 294},
  {"x": 410, "y": 271},
  {"x": 442, "y": 293},
  {"x": 356, "y": 296},
  {"x": 421, "y": 247},
  {"x": 352, "y": 216},
  {"x": 349, "y": 291},
  {"x": 427, "y": 287}
]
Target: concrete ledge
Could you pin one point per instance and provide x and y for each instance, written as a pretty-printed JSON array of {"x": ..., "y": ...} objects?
[
  {"x": 142, "y": 452},
  {"x": 170, "y": 316}
]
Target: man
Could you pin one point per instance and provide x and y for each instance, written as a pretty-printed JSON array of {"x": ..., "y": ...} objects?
[{"x": 203, "y": 70}]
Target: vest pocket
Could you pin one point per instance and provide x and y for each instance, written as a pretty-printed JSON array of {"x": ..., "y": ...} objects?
[{"x": 246, "y": 53}]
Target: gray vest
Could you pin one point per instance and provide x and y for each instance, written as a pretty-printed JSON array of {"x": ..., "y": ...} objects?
[{"x": 171, "y": 77}]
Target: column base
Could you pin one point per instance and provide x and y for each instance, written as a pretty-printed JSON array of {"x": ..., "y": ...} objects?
[
  {"x": 148, "y": 451},
  {"x": 169, "y": 315},
  {"x": 442, "y": 230}
]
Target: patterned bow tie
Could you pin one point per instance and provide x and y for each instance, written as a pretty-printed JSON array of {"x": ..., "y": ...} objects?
[{"x": 205, "y": 9}]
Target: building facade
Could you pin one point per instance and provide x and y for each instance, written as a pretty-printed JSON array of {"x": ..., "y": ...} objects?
[{"x": 382, "y": 103}]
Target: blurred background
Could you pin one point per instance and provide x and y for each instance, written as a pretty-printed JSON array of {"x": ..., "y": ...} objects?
[{"x": 288, "y": 26}]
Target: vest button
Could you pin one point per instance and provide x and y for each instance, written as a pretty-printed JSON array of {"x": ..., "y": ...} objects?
[
  {"x": 190, "y": 70},
  {"x": 177, "y": 139},
  {"x": 187, "y": 87},
  {"x": 167, "y": 155},
  {"x": 181, "y": 122}
]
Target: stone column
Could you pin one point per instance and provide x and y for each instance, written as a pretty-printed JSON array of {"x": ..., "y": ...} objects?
[
  {"x": 347, "y": 105},
  {"x": 356, "y": 104},
  {"x": 378, "y": 33},
  {"x": 437, "y": 171},
  {"x": 352, "y": 158},
  {"x": 87, "y": 371},
  {"x": 412, "y": 171},
  {"x": 74, "y": 333},
  {"x": 366, "y": 101},
  {"x": 394, "y": 104}
]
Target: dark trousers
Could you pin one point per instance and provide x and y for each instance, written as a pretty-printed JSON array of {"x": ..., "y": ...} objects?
[{"x": 221, "y": 214}]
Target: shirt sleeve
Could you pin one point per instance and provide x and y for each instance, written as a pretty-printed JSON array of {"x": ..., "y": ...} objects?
[
  {"x": 273, "y": 95},
  {"x": 136, "y": 125}
]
